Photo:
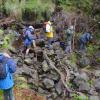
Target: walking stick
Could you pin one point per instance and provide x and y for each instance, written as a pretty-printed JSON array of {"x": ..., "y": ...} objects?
[{"x": 74, "y": 36}]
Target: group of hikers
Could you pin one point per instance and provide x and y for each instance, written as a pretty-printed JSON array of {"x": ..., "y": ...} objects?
[
  {"x": 30, "y": 38},
  {"x": 8, "y": 65}
]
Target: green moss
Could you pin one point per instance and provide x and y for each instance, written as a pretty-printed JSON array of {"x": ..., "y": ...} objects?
[
  {"x": 79, "y": 97},
  {"x": 21, "y": 82},
  {"x": 73, "y": 58}
]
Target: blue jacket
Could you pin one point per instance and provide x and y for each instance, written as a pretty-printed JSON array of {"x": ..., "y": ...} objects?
[
  {"x": 85, "y": 37},
  {"x": 8, "y": 81},
  {"x": 28, "y": 37}
]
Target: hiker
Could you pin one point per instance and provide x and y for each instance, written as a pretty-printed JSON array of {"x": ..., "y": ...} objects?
[
  {"x": 49, "y": 34},
  {"x": 29, "y": 38},
  {"x": 84, "y": 39},
  {"x": 69, "y": 33},
  {"x": 7, "y": 68}
]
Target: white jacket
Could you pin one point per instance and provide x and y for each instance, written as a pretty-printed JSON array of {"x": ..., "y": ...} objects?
[{"x": 48, "y": 28}]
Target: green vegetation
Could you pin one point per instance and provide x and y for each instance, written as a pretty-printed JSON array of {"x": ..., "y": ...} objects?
[
  {"x": 73, "y": 58},
  {"x": 21, "y": 82},
  {"x": 1, "y": 93},
  {"x": 7, "y": 41},
  {"x": 79, "y": 97},
  {"x": 43, "y": 8},
  {"x": 16, "y": 8}
]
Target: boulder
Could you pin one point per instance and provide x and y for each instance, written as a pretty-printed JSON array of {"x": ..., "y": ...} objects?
[
  {"x": 13, "y": 50},
  {"x": 54, "y": 95},
  {"x": 81, "y": 78},
  {"x": 84, "y": 61},
  {"x": 50, "y": 52},
  {"x": 48, "y": 83},
  {"x": 71, "y": 66},
  {"x": 28, "y": 61},
  {"x": 97, "y": 73},
  {"x": 45, "y": 66},
  {"x": 53, "y": 75},
  {"x": 94, "y": 98},
  {"x": 97, "y": 85},
  {"x": 56, "y": 46},
  {"x": 84, "y": 87},
  {"x": 40, "y": 90},
  {"x": 59, "y": 53},
  {"x": 19, "y": 62},
  {"x": 58, "y": 88},
  {"x": 97, "y": 55}
]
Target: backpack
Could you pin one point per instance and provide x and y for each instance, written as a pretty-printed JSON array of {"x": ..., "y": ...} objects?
[{"x": 3, "y": 68}]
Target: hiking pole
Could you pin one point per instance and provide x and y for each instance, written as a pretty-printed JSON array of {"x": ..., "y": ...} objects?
[{"x": 74, "y": 35}]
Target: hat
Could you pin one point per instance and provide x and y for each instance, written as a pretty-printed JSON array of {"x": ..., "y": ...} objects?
[
  {"x": 71, "y": 27},
  {"x": 31, "y": 27}
]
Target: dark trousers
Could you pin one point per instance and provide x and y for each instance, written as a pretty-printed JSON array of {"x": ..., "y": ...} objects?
[
  {"x": 8, "y": 94},
  {"x": 82, "y": 45}
]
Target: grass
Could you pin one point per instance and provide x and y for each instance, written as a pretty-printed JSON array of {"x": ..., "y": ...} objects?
[
  {"x": 1, "y": 95},
  {"x": 16, "y": 8}
]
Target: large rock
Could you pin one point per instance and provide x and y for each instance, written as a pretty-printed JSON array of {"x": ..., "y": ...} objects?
[
  {"x": 53, "y": 75},
  {"x": 13, "y": 50},
  {"x": 97, "y": 73},
  {"x": 84, "y": 61},
  {"x": 28, "y": 61},
  {"x": 97, "y": 85},
  {"x": 59, "y": 53},
  {"x": 50, "y": 52},
  {"x": 97, "y": 55},
  {"x": 58, "y": 88},
  {"x": 19, "y": 62},
  {"x": 45, "y": 66},
  {"x": 81, "y": 78},
  {"x": 48, "y": 83},
  {"x": 94, "y": 98},
  {"x": 71, "y": 66},
  {"x": 40, "y": 90},
  {"x": 56, "y": 46},
  {"x": 84, "y": 87}
]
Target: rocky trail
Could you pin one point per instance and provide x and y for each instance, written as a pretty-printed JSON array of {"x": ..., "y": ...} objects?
[{"x": 53, "y": 74}]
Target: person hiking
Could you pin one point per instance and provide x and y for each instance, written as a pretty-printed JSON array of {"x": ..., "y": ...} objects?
[
  {"x": 7, "y": 68},
  {"x": 69, "y": 36},
  {"x": 49, "y": 33},
  {"x": 29, "y": 38},
  {"x": 84, "y": 39}
]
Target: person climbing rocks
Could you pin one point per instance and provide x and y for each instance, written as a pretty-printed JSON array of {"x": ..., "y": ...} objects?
[
  {"x": 29, "y": 38},
  {"x": 7, "y": 68},
  {"x": 69, "y": 37},
  {"x": 49, "y": 34},
  {"x": 84, "y": 39}
]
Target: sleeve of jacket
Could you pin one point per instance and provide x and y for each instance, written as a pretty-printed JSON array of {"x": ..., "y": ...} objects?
[{"x": 12, "y": 65}]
